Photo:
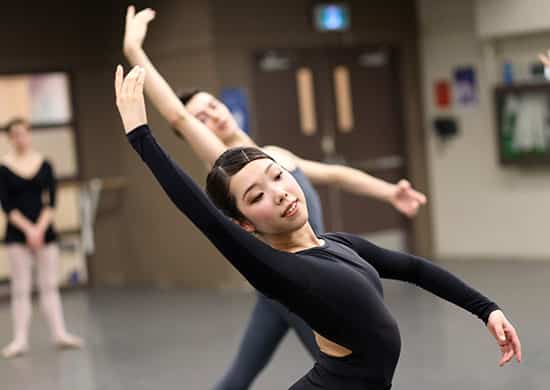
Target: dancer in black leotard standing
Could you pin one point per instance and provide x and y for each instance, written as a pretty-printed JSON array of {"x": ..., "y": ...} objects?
[
  {"x": 27, "y": 195},
  {"x": 331, "y": 281}
]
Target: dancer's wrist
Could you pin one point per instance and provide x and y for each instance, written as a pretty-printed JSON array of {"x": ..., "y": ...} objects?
[{"x": 130, "y": 49}]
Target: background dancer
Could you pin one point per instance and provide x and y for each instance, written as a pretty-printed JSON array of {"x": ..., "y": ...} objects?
[{"x": 27, "y": 194}]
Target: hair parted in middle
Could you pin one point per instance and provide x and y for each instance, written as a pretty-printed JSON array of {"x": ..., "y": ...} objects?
[{"x": 228, "y": 164}]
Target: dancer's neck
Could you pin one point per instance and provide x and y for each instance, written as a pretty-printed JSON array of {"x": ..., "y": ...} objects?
[{"x": 297, "y": 240}]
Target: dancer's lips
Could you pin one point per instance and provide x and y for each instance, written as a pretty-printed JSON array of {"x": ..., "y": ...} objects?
[{"x": 292, "y": 209}]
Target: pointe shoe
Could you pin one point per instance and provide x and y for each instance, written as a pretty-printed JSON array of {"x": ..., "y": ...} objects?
[
  {"x": 69, "y": 341},
  {"x": 14, "y": 349}
]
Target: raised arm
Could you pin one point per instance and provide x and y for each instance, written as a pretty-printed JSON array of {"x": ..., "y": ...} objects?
[
  {"x": 431, "y": 277},
  {"x": 401, "y": 195},
  {"x": 267, "y": 269},
  {"x": 204, "y": 143}
]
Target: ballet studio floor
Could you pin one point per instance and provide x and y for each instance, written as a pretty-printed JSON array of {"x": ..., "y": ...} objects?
[{"x": 184, "y": 339}]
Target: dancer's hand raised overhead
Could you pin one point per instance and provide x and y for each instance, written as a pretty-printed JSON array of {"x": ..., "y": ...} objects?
[
  {"x": 136, "y": 27},
  {"x": 129, "y": 97}
]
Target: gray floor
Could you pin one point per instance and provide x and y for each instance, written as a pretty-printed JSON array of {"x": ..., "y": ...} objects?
[{"x": 150, "y": 339}]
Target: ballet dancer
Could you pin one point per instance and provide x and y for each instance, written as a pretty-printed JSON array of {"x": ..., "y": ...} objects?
[
  {"x": 269, "y": 320},
  {"x": 27, "y": 195},
  {"x": 257, "y": 218}
]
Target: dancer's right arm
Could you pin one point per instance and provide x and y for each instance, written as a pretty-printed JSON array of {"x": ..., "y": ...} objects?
[
  {"x": 13, "y": 215},
  {"x": 270, "y": 271},
  {"x": 204, "y": 143}
]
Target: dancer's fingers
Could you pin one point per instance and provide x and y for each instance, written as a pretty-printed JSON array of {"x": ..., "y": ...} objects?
[
  {"x": 404, "y": 184},
  {"x": 130, "y": 13},
  {"x": 512, "y": 335},
  {"x": 129, "y": 82},
  {"x": 138, "y": 91},
  {"x": 419, "y": 196},
  {"x": 118, "y": 80},
  {"x": 146, "y": 15},
  {"x": 507, "y": 355},
  {"x": 499, "y": 334}
]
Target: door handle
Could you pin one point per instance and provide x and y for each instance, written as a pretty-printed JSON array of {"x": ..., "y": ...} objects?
[
  {"x": 306, "y": 101},
  {"x": 343, "y": 98},
  {"x": 384, "y": 163}
]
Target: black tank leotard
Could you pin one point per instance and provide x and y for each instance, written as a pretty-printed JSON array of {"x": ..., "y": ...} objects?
[{"x": 335, "y": 288}]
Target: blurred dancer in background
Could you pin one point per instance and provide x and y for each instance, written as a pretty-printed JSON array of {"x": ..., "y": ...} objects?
[{"x": 27, "y": 195}]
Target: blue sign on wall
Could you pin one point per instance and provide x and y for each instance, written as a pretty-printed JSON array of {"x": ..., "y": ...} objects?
[
  {"x": 332, "y": 17},
  {"x": 236, "y": 102}
]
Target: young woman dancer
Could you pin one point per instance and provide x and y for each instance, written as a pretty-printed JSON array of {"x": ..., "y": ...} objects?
[
  {"x": 332, "y": 281},
  {"x": 269, "y": 321},
  {"x": 27, "y": 195}
]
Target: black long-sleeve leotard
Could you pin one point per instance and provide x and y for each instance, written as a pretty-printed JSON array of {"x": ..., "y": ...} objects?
[
  {"x": 335, "y": 288},
  {"x": 26, "y": 196}
]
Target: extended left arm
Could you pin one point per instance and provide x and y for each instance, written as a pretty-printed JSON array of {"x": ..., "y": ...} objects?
[{"x": 433, "y": 278}]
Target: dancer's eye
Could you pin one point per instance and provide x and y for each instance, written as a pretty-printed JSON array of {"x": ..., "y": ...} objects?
[{"x": 257, "y": 198}]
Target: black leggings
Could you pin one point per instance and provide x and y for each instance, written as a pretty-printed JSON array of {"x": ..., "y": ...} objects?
[{"x": 268, "y": 324}]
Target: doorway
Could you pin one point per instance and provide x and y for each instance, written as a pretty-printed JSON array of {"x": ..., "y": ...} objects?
[{"x": 338, "y": 106}]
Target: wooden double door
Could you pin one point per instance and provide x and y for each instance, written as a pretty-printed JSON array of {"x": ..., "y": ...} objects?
[{"x": 338, "y": 106}]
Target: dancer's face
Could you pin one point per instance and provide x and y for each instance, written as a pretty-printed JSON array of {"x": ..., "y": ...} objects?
[
  {"x": 269, "y": 197},
  {"x": 214, "y": 114},
  {"x": 20, "y": 137}
]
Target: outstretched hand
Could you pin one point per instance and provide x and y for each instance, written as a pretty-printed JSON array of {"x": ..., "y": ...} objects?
[
  {"x": 136, "y": 27},
  {"x": 506, "y": 336},
  {"x": 129, "y": 97},
  {"x": 406, "y": 199},
  {"x": 545, "y": 59}
]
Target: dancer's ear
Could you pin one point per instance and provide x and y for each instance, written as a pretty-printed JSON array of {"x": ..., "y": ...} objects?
[{"x": 246, "y": 225}]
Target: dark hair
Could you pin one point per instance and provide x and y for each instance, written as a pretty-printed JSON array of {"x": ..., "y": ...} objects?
[
  {"x": 187, "y": 95},
  {"x": 15, "y": 122},
  {"x": 228, "y": 164}
]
